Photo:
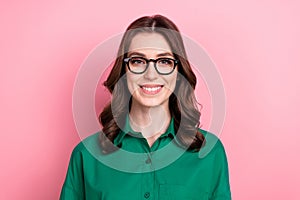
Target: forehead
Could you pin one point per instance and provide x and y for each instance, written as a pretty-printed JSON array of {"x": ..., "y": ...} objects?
[{"x": 149, "y": 42}]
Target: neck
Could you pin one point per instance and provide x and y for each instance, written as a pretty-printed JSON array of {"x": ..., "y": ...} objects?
[{"x": 150, "y": 121}]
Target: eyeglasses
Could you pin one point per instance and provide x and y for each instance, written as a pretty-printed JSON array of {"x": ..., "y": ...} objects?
[{"x": 139, "y": 65}]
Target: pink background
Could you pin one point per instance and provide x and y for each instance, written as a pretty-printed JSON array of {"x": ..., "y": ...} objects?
[{"x": 255, "y": 45}]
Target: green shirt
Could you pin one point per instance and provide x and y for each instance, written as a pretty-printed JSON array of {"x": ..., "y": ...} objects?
[{"x": 163, "y": 171}]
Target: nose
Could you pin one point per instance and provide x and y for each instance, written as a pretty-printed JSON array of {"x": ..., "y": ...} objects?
[{"x": 151, "y": 73}]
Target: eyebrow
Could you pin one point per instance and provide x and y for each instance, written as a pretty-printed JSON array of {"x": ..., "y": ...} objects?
[{"x": 143, "y": 55}]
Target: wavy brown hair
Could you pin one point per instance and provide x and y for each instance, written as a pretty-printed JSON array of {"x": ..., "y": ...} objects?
[{"x": 182, "y": 102}]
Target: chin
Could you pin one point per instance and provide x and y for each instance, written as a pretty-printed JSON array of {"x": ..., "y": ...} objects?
[{"x": 152, "y": 102}]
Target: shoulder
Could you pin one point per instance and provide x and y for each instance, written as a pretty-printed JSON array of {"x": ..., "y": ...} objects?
[
  {"x": 213, "y": 144},
  {"x": 84, "y": 146}
]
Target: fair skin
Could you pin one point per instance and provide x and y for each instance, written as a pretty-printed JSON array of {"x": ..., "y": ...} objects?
[{"x": 150, "y": 91}]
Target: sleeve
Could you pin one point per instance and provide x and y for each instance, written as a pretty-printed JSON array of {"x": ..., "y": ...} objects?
[
  {"x": 73, "y": 187},
  {"x": 221, "y": 190}
]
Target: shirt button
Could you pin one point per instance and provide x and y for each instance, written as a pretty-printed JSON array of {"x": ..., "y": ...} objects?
[
  {"x": 147, "y": 195},
  {"x": 148, "y": 161}
]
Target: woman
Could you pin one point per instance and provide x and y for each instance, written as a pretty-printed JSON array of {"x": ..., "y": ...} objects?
[{"x": 150, "y": 142}]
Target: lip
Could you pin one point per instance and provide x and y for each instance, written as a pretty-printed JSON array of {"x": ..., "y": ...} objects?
[{"x": 151, "y": 89}]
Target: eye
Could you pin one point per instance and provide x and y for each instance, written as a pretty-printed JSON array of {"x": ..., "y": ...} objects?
[
  {"x": 166, "y": 61},
  {"x": 137, "y": 61}
]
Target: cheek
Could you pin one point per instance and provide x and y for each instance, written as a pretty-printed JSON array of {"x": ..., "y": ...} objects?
[
  {"x": 172, "y": 82},
  {"x": 131, "y": 83}
]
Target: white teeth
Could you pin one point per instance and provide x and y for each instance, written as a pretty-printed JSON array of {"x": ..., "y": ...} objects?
[{"x": 152, "y": 89}]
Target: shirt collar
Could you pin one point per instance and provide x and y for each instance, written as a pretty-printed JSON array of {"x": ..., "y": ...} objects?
[{"x": 127, "y": 129}]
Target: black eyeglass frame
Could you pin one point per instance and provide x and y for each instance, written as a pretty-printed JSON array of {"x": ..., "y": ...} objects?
[{"x": 176, "y": 62}]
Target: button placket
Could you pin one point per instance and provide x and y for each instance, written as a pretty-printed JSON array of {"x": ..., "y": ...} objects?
[{"x": 148, "y": 179}]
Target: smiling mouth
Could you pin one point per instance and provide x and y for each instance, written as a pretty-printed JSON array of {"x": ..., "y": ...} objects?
[{"x": 151, "y": 89}]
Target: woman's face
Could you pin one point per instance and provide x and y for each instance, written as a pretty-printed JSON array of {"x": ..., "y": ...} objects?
[{"x": 150, "y": 89}]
